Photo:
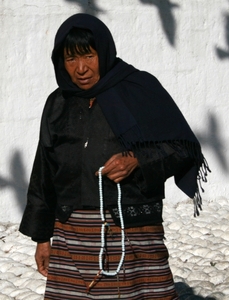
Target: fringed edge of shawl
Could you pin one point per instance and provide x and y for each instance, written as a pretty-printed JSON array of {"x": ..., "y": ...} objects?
[
  {"x": 201, "y": 177},
  {"x": 194, "y": 152}
]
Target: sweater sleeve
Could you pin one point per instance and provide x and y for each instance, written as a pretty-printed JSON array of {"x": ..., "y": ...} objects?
[
  {"x": 39, "y": 215},
  {"x": 160, "y": 162}
]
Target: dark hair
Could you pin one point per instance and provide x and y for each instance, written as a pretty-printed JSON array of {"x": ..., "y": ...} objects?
[{"x": 78, "y": 41}]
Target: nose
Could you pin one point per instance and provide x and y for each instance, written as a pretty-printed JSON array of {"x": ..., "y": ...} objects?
[{"x": 81, "y": 66}]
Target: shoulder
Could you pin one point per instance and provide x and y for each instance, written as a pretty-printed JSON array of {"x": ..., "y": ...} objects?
[
  {"x": 53, "y": 101},
  {"x": 145, "y": 79},
  {"x": 142, "y": 83},
  {"x": 53, "y": 106}
]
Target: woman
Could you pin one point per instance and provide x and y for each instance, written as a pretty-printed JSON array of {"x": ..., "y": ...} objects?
[{"x": 107, "y": 233}]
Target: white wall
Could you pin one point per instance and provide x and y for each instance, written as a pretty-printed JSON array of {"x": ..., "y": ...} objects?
[{"x": 183, "y": 43}]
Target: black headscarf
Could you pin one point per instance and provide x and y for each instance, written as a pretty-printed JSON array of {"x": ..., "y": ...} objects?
[{"x": 136, "y": 106}]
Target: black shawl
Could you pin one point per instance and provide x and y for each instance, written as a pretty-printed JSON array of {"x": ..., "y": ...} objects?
[{"x": 138, "y": 109}]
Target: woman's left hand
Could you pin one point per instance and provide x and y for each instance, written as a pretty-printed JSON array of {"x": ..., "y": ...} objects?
[{"x": 119, "y": 166}]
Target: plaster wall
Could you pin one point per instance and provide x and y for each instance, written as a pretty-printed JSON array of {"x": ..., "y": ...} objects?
[{"x": 185, "y": 44}]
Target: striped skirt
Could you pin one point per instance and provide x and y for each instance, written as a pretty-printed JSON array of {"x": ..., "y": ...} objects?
[{"x": 74, "y": 263}]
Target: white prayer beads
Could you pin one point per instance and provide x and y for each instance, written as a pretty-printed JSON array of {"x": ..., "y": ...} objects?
[{"x": 104, "y": 225}]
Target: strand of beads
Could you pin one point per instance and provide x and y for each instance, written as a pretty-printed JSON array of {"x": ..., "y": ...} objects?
[{"x": 104, "y": 224}]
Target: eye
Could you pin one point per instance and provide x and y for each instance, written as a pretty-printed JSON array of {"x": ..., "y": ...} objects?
[{"x": 69, "y": 58}]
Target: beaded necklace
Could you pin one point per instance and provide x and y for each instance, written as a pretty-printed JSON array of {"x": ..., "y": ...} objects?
[
  {"x": 104, "y": 224},
  {"x": 103, "y": 228}
]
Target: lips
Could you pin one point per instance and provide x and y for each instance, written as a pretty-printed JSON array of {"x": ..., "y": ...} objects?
[{"x": 84, "y": 80}]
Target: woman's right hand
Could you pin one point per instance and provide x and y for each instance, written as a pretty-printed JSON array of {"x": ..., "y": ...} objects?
[
  {"x": 42, "y": 257},
  {"x": 119, "y": 166}
]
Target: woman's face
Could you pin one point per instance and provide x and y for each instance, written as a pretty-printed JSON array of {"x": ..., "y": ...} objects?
[{"x": 83, "y": 69}]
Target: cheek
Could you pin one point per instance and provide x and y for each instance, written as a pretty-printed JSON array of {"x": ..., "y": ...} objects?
[
  {"x": 71, "y": 73},
  {"x": 97, "y": 72},
  {"x": 69, "y": 68}
]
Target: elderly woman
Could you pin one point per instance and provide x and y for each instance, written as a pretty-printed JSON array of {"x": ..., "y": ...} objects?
[{"x": 106, "y": 223}]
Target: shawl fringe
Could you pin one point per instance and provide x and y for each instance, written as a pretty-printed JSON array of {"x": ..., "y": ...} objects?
[
  {"x": 201, "y": 177},
  {"x": 194, "y": 152}
]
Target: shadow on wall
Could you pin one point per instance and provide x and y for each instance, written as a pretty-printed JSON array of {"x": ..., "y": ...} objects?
[
  {"x": 17, "y": 182},
  {"x": 164, "y": 7},
  {"x": 222, "y": 54},
  {"x": 185, "y": 292},
  {"x": 212, "y": 139},
  {"x": 88, "y": 6},
  {"x": 165, "y": 10}
]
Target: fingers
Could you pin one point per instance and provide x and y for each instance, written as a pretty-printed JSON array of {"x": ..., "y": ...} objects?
[
  {"x": 42, "y": 269},
  {"x": 114, "y": 168},
  {"x": 42, "y": 257},
  {"x": 119, "y": 167}
]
